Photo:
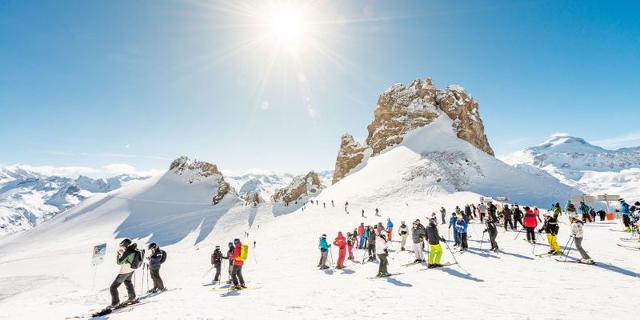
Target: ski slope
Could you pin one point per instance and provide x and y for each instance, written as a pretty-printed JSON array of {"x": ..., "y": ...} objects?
[{"x": 48, "y": 273}]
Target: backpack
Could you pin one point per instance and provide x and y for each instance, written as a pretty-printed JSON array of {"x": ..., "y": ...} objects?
[
  {"x": 244, "y": 251},
  {"x": 164, "y": 256},
  {"x": 138, "y": 256}
]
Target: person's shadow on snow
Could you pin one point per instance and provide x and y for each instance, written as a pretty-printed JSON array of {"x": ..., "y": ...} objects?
[
  {"x": 399, "y": 283},
  {"x": 459, "y": 274}
]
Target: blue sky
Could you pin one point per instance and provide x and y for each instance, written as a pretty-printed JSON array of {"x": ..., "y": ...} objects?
[{"x": 88, "y": 83}]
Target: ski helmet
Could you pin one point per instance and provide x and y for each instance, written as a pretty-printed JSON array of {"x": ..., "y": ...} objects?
[
  {"x": 125, "y": 243},
  {"x": 152, "y": 246}
]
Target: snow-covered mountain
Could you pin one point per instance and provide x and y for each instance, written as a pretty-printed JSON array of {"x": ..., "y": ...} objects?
[
  {"x": 28, "y": 198},
  {"x": 590, "y": 168},
  {"x": 264, "y": 185}
]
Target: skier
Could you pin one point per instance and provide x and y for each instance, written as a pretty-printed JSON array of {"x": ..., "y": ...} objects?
[
  {"x": 157, "y": 258},
  {"x": 467, "y": 211},
  {"x": 551, "y": 228},
  {"x": 530, "y": 224},
  {"x": 228, "y": 257},
  {"x": 491, "y": 222},
  {"x": 403, "y": 231},
  {"x": 371, "y": 242},
  {"x": 236, "y": 271},
  {"x": 362, "y": 215},
  {"x": 382, "y": 252},
  {"x": 127, "y": 252},
  {"x": 346, "y": 206},
  {"x": 341, "y": 243},
  {"x": 492, "y": 210},
  {"x": 333, "y": 204},
  {"x": 576, "y": 232},
  {"x": 584, "y": 210},
  {"x": 483, "y": 211},
  {"x": 507, "y": 217},
  {"x": 377, "y": 212},
  {"x": 363, "y": 238},
  {"x": 461, "y": 228},
  {"x": 517, "y": 217},
  {"x": 443, "y": 214},
  {"x": 626, "y": 215},
  {"x": 324, "y": 251},
  {"x": 435, "y": 249},
  {"x": 556, "y": 209},
  {"x": 602, "y": 214},
  {"x": 418, "y": 234},
  {"x": 474, "y": 210},
  {"x": 216, "y": 262},
  {"x": 570, "y": 208},
  {"x": 389, "y": 229},
  {"x": 350, "y": 242},
  {"x": 452, "y": 224}
]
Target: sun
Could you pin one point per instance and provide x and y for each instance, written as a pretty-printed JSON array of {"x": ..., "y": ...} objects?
[{"x": 287, "y": 27}]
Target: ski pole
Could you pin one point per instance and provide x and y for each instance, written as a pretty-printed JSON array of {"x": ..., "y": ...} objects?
[
  {"x": 517, "y": 235},
  {"x": 569, "y": 250},
  {"x": 148, "y": 271},
  {"x": 331, "y": 255},
  {"x": 482, "y": 241}
]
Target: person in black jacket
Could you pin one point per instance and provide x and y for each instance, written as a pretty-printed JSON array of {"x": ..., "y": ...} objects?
[
  {"x": 228, "y": 257},
  {"x": 216, "y": 262},
  {"x": 435, "y": 249},
  {"x": 551, "y": 228},
  {"x": 517, "y": 217},
  {"x": 156, "y": 259},
  {"x": 491, "y": 222},
  {"x": 507, "y": 217}
]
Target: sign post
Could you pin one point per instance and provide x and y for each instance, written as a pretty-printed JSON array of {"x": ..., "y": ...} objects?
[
  {"x": 99, "y": 251},
  {"x": 609, "y": 197}
]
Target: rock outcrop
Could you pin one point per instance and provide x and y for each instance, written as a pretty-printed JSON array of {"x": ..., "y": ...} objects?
[
  {"x": 401, "y": 109},
  {"x": 300, "y": 186},
  {"x": 196, "y": 171}
]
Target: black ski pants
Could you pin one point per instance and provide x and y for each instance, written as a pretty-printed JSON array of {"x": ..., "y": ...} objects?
[
  {"x": 157, "y": 281},
  {"x": 531, "y": 233},
  {"x": 126, "y": 278},
  {"x": 218, "y": 266},
  {"x": 236, "y": 275}
]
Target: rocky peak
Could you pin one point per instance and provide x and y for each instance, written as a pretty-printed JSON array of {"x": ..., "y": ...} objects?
[
  {"x": 300, "y": 186},
  {"x": 196, "y": 171},
  {"x": 401, "y": 109}
]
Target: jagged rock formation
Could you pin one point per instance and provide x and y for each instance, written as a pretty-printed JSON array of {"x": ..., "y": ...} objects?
[
  {"x": 198, "y": 170},
  {"x": 300, "y": 186},
  {"x": 401, "y": 109}
]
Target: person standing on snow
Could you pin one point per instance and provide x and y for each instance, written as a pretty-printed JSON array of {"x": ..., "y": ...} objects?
[
  {"x": 435, "y": 249},
  {"x": 467, "y": 211},
  {"x": 551, "y": 228},
  {"x": 461, "y": 228},
  {"x": 577, "y": 233},
  {"x": 491, "y": 227},
  {"x": 216, "y": 262},
  {"x": 626, "y": 215},
  {"x": 452, "y": 224},
  {"x": 228, "y": 257},
  {"x": 418, "y": 234},
  {"x": 389, "y": 229},
  {"x": 341, "y": 243},
  {"x": 377, "y": 212},
  {"x": 236, "y": 271},
  {"x": 517, "y": 217},
  {"x": 363, "y": 238},
  {"x": 350, "y": 242},
  {"x": 507, "y": 217},
  {"x": 443, "y": 214},
  {"x": 383, "y": 253},
  {"x": 362, "y": 214},
  {"x": 530, "y": 224},
  {"x": 403, "y": 231},
  {"x": 557, "y": 211},
  {"x": 126, "y": 254},
  {"x": 324, "y": 252},
  {"x": 156, "y": 259},
  {"x": 371, "y": 243},
  {"x": 482, "y": 208},
  {"x": 584, "y": 210}
]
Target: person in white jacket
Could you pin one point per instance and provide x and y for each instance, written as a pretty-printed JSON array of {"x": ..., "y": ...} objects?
[
  {"x": 577, "y": 233},
  {"x": 403, "y": 231},
  {"x": 382, "y": 253}
]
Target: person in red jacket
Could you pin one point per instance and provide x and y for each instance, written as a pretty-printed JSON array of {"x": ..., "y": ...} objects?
[
  {"x": 530, "y": 224},
  {"x": 341, "y": 243},
  {"x": 361, "y": 236},
  {"x": 236, "y": 271}
]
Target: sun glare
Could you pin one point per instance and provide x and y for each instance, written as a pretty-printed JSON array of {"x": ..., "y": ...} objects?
[{"x": 287, "y": 27}]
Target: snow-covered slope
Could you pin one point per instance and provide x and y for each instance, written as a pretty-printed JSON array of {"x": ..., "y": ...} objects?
[
  {"x": 590, "y": 168},
  {"x": 28, "y": 198}
]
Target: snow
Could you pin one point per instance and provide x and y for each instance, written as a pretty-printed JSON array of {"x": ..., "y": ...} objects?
[{"x": 49, "y": 267}]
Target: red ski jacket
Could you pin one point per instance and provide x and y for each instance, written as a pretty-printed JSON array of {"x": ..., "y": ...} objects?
[
  {"x": 236, "y": 254},
  {"x": 530, "y": 219},
  {"x": 340, "y": 241},
  {"x": 361, "y": 230}
]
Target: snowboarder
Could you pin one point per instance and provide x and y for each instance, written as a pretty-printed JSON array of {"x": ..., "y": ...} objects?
[
  {"x": 127, "y": 252},
  {"x": 324, "y": 251},
  {"x": 363, "y": 238},
  {"x": 382, "y": 252},
  {"x": 236, "y": 271},
  {"x": 371, "y": 242},
  {"x": 517, "y": 217},
  {"x": 482, "y": 208},
  {"x": 443, "y": 214},
  {"x": 530, "y": 224},
  {"x": 341, "y": 243},
  {"x": 418, "y": 234},
  {"x": 403, "y": 231},
  {"x": 350, "y": 242},
  {"x": 506, "y": 212},
  {"x": 389, "y": 229},
  {"x": 435, "y": 249},
  {"x": 461, "y": 228},
  {"x": 156, "y": 259},
  {"x": 216, "y": 262},
  {"x": 551, "y": 228},
  {"x": 492, "y": 229},
  {"x": 577, "y": 233},
  {"x": 452, "y": 224}
]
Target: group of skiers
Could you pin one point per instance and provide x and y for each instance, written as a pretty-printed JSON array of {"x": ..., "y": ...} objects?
[{"x": 236, "y": 254}]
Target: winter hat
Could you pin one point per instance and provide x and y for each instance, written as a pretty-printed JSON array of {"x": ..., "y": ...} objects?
[
  {"x": 217, "y": 247},
  {"x": 236, "y": 240},
  {"x": 324, "y": 236},
  {"x": 152, "y": 245},
  {"x": 125, "y": 243}
]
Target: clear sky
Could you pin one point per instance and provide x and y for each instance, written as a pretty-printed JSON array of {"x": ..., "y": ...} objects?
[{"x": 273, "y": 84}]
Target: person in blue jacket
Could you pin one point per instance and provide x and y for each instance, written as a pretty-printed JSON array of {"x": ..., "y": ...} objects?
[
  {"x": 324, "y": 251},
  {"x": 452, "y": 224},
  {"x": 461, "y": 228},
  {"x": 626, "y": 215},
  {"x": 389, "y": 229}
]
